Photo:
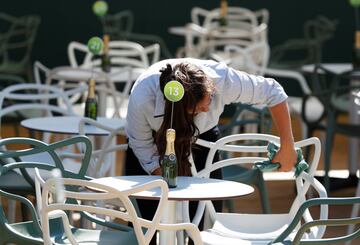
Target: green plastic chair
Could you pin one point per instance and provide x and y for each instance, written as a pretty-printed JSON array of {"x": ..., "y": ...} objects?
[
  {"x": 120, "y": 27},
  {"x": 296, "y": 52},
  {"x": 281, "y": 239},
  {"x": 239, "y": 173},
  {"x": 16, "y": 45},
  {"x": 29, "y": 232},
  {"x": 329, "y": 90}
]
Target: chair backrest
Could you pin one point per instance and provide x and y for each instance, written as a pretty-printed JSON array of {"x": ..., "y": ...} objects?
[
  {"x": 253, "y": 58},
  {"x": 203, "y": 38},
  {"x": 102, "y": 192},
  {"x": 236, "y": 17},
  {"x": 33, "y": 97},
  {"x": 102, "y": 160},
  {"x": 296, "y": 52},
  {"x": 27, "y": 147},
  {"x": 232, "y": 143},
  {"x": 122, "y": 53},
  {"x": 17, "y": 43},
  {"x": 119, "y": 25},
  {"x": 283, "y": 238}
]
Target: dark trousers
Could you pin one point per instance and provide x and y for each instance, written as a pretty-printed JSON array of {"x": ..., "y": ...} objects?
[{"x": 133, "y": 167}]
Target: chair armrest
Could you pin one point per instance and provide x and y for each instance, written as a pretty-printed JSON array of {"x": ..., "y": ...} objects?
[
  {"x": 153, "y": 50},
  {"x": 76, "y": 46},
  {"x": 290, "y": 74},
  {"x": 28, "y": 204},
  {"x": 7, "y": 17},
  {"x": 196, "y": 12},
  {"x": 262, "y": 15},
  {"x": 66, "y": 224},
  {"x": 314, "y": 202}
]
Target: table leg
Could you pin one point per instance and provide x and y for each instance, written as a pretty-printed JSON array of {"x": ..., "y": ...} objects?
[{"x": 168, "y": 237}]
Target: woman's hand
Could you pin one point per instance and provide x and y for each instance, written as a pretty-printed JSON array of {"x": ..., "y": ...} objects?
[
  {"x": 287, "y": 157},
  {"x": 156, "y": 171}
]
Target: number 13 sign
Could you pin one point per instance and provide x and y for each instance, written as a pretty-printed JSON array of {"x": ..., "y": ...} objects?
[{"x": 174, "y": 91}]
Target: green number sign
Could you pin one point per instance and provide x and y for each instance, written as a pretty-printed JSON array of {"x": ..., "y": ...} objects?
[
  {"x": 95, "y": 45},
  {"x": 100, "y": 8},
  {"x": 174, "y": 91}
]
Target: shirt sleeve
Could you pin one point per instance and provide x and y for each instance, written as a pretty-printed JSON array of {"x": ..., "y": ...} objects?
[
  {"x": 140, "y": 137},
  {"x": 250, "y": 89}
]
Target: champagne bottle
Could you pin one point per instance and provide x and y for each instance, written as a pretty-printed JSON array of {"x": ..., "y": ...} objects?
[
  {"x": 169, "y": 163},
  {"x": 223, "y": 12},
  {"x": 356, "y": 52},
  {"x": 91, "y": 106},
  {"x": 105, "y": 58}
]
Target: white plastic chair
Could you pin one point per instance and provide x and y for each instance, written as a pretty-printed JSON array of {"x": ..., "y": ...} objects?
[
  {"x": 239, "y": 228},
  {"x": 203, "y": 37},
  {"x": 206, "y": 18},
  {"x": 102, "y": 192},
  {"x": 103, "y": 157}
]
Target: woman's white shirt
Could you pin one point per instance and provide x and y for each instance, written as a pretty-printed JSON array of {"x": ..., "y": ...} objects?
[{"x": 146, "y": 103}]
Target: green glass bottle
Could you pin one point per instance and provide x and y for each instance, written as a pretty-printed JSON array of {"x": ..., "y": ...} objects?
[
  {"x": 169, "y": 163},
  {"x": 223, "y": 12},
  {"x": 91, "y": 105},
  {"x": 105, "y": 58}
]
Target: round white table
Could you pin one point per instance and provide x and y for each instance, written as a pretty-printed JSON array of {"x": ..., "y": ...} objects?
[
  {"x": 70, "y": 125},
  {"x": 188, "y": 189}
]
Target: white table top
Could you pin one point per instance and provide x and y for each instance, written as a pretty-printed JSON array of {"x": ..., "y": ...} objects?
[
  {"x": 188, "y": 188},
  {"x": 70, "y": 125}
]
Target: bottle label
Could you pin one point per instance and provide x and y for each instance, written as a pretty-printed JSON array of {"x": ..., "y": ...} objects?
[
  {"x": 357, "y": 39},
  {"x": 91, "y": 109},
  {"x": 169, "y": 170}
]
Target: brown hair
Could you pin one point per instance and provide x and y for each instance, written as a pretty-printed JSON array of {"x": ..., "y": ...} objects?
[{"x": 196, "y": 86}]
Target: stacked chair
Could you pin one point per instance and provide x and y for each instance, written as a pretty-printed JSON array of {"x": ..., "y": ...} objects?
[{"x": 16, "y": 44}]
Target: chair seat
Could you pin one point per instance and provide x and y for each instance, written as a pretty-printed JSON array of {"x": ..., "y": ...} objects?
[
  {"x": 15, "y": 183},
  {"x": 231, "y": 228},
  {"x": 82, "y": 236},
  {"x": 89, "y": 237}
]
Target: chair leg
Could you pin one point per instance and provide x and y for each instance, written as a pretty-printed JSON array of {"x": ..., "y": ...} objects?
[
  {"x": 327, "y": 158},
  {"x": 230, "y": 204},
  {"x": 265, "y": 204},
  {"x": 354, "y": 212},
  {"x": 11, "y": 211}
]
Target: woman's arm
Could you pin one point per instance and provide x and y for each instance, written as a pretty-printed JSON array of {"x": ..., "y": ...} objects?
[{"x": 286, "y": 156}]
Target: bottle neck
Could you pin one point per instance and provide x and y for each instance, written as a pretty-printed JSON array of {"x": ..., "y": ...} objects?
[
  {"x": 91, "y": 94},
  {"x": 106, "y": 40},
  {"x": 357, "y": 39},
  {"x": 170, "y": 142},
  {"x": 223, "y": 8}
]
